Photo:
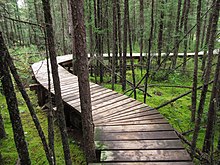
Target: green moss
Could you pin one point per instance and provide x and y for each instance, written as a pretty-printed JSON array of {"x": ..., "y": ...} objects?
[{"x": 36, "y": 151}]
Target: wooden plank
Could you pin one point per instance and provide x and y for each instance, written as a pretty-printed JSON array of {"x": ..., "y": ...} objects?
[
  {"x": 76, "y": 92},
  {"x": 109, "y": 102},
  {"x": 130, "y": 116},
  {"x": 102, "y": 136},
  {"x": 151, "y": 117},
  {"x": 105, "y": 111},
  {"x": 115, "y": 111},
  {"x": 145, "y": 155},
  {"x": 139, "y": 145},
  {"x": 144, "y": 163},
  {"x": 157, "y": 121},
  {"x": 134, "y": 128}
]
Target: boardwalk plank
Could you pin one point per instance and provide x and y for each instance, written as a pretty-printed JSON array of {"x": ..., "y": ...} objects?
[
  {"x": 145, "y": 155},
  {"x": 140, "y": 145},
  {"x": 118, "y": 136}
]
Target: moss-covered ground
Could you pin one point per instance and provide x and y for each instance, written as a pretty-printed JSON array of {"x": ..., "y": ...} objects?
[{"x": 24, "y": 57}]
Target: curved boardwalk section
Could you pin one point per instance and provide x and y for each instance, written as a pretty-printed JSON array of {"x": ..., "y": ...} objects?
[{"x": 126, "y": 131}]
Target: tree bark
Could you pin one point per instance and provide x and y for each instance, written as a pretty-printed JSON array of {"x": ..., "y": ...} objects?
[
  {"x": 12, "y": 104},
  {"x": 115, "y": 46},
  {"x": 207, "y": 74},
  {"x": 195, "y": 74},
  {"x": 141, "y": 30},
  {"x": 84, "y": 87},
  {"x": 125, "y": 29},
  {"x": 2, "y": 128},
  {"x": 176, "y": 40},
  {"x": 185, "y": 28},
  {"x": 208, "y": 141},
  {"x": 56, "y": 80},
  {"x": 212, "y": 109},
  {"x": 119, "y": 37},
  {"x": 150, "y": 40},
  {"x": 208, "y": 32},
  {"x": 160, "y": 32},
  {"x": 130, "y": 47}
]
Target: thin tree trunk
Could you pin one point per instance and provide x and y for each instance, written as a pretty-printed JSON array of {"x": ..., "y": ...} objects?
[
  {"x": 195, "y": 74},
  {"x": 50, "y": 117},
  {"x": 119, "y": 37},
  {"x": 186, "y": 39},
  {"x": 125, "y": 29},
  {"x": 183, "y": 13},
  {"x": 176, "y": 40},
  {"x": 130, "y": 47},
  {"x": 207, "y": 75},
  {"x": 73, "y": 21},
  {"x": 141, "y": 22},
  {"x": 91, "y": 46},
  {"x": 12, "y": 104},
  {"x": 204, "y": 26},
  {"x": 63, "y": 27},
  {"x": 149, "y": 50},
  {"x": 56, "y": 80},
  {"x": 96, "y": 37},
  {"x": 208, "y": 141},
  {"x": 84, "y": 87},
  {"x": 2, "y": 128},
  {"x": 115, "y": 46},
  {"x": 208, "y": 32},
  {"x": 99, "y": 45},
  {"x": 160, "y": 33},
  {"x": 108, "y": 34}
]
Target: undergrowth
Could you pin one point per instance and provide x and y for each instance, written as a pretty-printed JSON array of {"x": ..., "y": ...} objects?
[{"x": 23, "y": 58}]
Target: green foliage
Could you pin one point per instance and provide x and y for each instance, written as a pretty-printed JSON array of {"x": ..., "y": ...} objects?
[
  {"x": 23, "y": 58},
  {"x": 36, "y": 151}
]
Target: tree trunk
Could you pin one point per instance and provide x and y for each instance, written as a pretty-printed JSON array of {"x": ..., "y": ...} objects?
[
  {"x": 130, "y": 47},
  {"x": 50, "y": 117},
  {"x": 115, "y": 46},
  {"x": 183, "y": 13},
  {"x": 212, "y": 108},
  {"x": 125, "y": 29},
  {"x": 208, "y": 32},
  {"x": 91, "y": 45},
  {"x": 176, "y": 40},
  {"x": 160, "y": 33},
  {"x": 73, "y": 21},
  {"x": 2, "y": 128},
  {"x": 195, "y": 74},
  {"x": 204, "y": 26},
  {"x": 12, "y": 103},
  {"x": 208, "y": 141},
  {"x": 207, "y": 74},
  {"x": 84, "y": 87},
  {"x": 150, "y": 40},
  {"x": 141, "y": 31},
  {"x": 185, "y": 42},
  {"x": 56, "y": 80},
  {"x": 63, "y": 27},
  {"x": 119, "y": 37}
]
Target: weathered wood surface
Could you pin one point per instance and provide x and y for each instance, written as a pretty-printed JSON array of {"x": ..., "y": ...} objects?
[{"x": 126, "y": 131}]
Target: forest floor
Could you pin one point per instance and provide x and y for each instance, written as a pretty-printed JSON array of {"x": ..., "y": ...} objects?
[
  {"x": 23, "y": 58},
  {"x": 177, "y": 113}
]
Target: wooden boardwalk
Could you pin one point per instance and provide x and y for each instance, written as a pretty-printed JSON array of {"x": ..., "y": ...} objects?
[{"x": 126, "y": 131}]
